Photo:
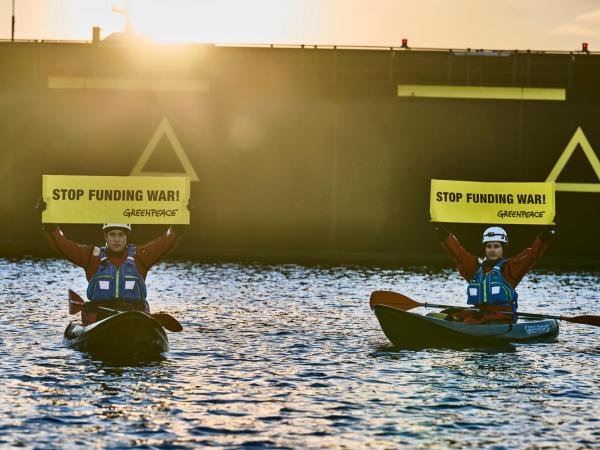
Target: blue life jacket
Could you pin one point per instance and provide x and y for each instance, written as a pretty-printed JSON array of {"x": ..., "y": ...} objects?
[
  {"x": 491, "y": 288},
  {"x": 112, "y": 282}
]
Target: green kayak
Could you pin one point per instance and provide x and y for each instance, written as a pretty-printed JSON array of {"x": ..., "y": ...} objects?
[{"x": 410, "y": 330}]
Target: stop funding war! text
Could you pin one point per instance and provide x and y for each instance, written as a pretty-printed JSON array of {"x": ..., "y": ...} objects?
[{"x": 479, "y": 198}]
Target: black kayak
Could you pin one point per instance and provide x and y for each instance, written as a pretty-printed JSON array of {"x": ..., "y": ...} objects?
[
  {"x": 127, "y": 333},
  {"x": 409, "y": 330}
]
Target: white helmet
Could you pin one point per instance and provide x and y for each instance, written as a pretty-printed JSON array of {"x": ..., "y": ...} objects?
[
  {"x": 122, "y": 226},
  {"x": 495, "y": 234}
]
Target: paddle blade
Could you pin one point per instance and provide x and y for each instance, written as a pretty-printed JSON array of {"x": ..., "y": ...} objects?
[
  {"x": 393, "y": 299},
  {"x": 168, "y": 322},
  {"x": 75, "y": 302},
  {"x": 585, "y": 320}
]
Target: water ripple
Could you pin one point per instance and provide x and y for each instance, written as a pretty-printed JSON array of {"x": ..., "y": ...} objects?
[{"x": 277, "y": 357}]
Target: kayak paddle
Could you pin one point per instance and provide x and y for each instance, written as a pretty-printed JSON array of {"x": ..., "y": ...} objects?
[
  {"x": 396, "y": 300},
  {"x": 75, "y": 302},
  {"x": 166, "y": 320}
]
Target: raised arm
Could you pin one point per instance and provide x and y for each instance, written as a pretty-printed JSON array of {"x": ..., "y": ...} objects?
[
  {"x": 155, "y": 250},
  {"x": 520, "y": 264},
  {"x": 466, "y": 263},
  {"x": 78, "y": 254}
]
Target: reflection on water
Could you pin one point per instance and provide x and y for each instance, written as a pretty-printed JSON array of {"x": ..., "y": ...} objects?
[
  {"x": 292, "y": 357},
  {"x": 502, "y": 347}
]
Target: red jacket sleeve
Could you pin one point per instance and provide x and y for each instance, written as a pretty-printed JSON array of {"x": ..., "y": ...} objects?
[
  {"x": 152, "y": 252},
  {"x": 83, "y": 255},
  {"x": 78, "y": 254},
  {"x": 466, "y": 263},
  {"x": 517, "y": 266},
  {"x": 514, "y": 269}
]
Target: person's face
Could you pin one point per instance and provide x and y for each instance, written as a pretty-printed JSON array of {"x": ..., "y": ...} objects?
[
  {"x": 116, "y": 240},
  {"x": 493, "y": 250}
]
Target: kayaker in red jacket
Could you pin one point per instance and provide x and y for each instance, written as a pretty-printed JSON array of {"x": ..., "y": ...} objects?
[
  {"x": 493, "y": 279},
  {"x": 115, "y": 272}
]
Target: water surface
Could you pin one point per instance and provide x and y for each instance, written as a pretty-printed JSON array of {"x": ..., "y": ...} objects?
[{"x": 291, "y": 357}]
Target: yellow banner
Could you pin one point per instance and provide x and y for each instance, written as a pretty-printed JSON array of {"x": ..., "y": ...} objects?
[
  {"x": 93, "y": 199},
  {"x": 497, "y": 203}
]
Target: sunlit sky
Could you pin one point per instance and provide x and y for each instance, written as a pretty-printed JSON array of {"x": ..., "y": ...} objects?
[{"x": 487, "y": 24}]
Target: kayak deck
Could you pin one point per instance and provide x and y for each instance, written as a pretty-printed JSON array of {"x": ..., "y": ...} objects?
[
  {"x": 410, "y": 330},
  {"x": 126, "y": 333}
]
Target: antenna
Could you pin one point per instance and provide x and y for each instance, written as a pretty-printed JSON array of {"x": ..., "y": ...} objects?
[
  {"x": 12, "y": 28},
  {"x": 125, "y": 12}
]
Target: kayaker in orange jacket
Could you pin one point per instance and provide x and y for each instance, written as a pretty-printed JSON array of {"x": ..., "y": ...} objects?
[
  {"x": 115, "y": 272},
  {"x": 492, "y": 280}
]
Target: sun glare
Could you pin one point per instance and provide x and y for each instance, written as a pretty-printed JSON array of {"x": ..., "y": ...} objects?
[{"x": 212, "y": 21}]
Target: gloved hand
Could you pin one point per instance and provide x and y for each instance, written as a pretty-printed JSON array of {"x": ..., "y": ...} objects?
[
  {"x": 546, "y": 235},
  {"x": 441, "y": 232},
  {"x": 49, "y": 227},
  {"x": 178, "y": 229},
  {"x": 40, "y": 205}
]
